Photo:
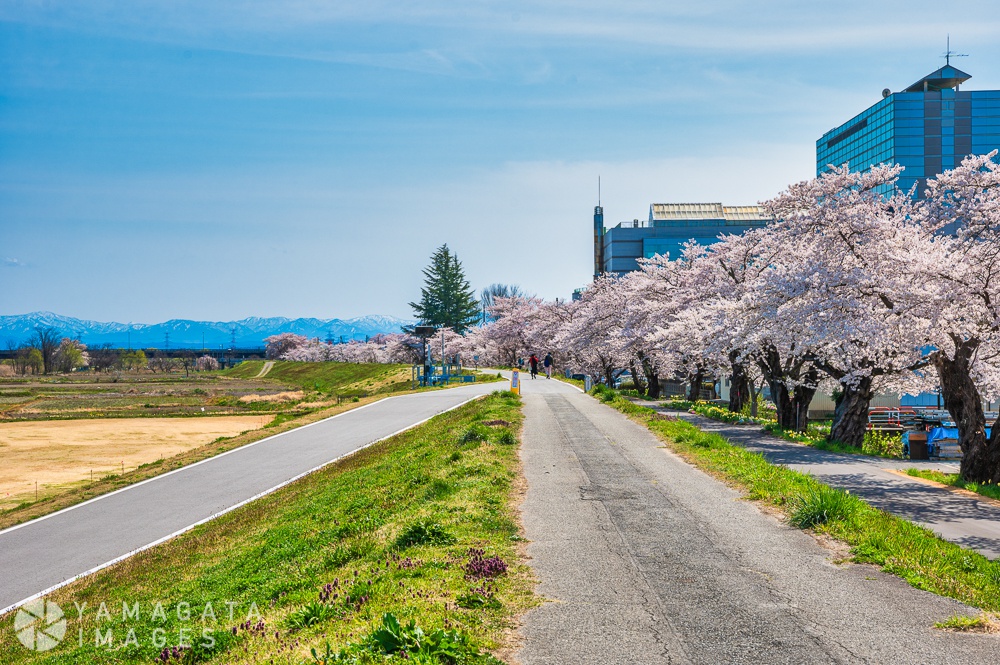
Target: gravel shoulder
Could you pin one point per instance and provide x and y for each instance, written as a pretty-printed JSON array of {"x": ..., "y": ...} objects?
[{"x": 645, "y": 559}]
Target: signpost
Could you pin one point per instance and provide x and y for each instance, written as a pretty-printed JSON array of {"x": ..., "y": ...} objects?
[
  {"x": 424, "y": 332},
  {"x": 515, "y": 382}
]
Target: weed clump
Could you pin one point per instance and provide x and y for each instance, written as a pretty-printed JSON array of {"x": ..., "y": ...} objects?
[
  {"x": 822, "y": 504},
  {"x": 424, "y": 532},
  {"x": 407, "y": 642},
  {"x": 965, "y": 624},
  {"x": 310, "y": 614},
  {"x": 506, "y": 437},
  {"x": 477, "y": 432}
]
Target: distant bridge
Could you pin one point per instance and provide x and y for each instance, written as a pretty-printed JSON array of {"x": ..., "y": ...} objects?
[{"x": 226, "y": 357}]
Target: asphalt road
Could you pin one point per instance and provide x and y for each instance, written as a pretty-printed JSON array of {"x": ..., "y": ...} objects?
[
  {"x": 645, "y": 559},
  {"x": 50, "y": 551},
  {"x": 960, "y": 518}
]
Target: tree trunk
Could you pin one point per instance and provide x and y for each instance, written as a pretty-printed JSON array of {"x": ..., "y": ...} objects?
[
  {"x": 694, "y": 385},
  {"x": 652, "y": 381},
  {"x": 783, "y": 404},
  {"x": 980, "y": 456},
  {"x": 850, "y": 419},
  {"x": 755, "y": 398},
  {"x": 802, "y": 397},
  {"x": 637, "y": 378},
  {"x": 770, "y": 366},
  {"x": 739, "y": 386}
]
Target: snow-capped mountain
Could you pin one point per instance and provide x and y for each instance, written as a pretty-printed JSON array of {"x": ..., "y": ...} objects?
[{"x": 249, "y": 332}]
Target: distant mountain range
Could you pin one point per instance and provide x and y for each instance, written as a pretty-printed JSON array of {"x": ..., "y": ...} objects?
[{"x": 182, "y": 333}]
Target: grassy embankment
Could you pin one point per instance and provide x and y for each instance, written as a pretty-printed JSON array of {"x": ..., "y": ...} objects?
[
  {"x": 393, "y": 529},
  {"x": 330, "y": 377},
  {"x": 294, "y": 393},
  {"x": 896, "y": 545},
  {"x": 954, "y": 480},
  {"x": 876, "y": 444}
]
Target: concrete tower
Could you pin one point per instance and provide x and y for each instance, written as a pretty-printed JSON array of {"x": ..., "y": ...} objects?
[{"x": 598, "y": 241}]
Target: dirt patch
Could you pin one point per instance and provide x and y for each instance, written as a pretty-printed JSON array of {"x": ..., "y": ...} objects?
[
  {"x": 60, "y": 453},
  {"x": 289, "y": 396}
]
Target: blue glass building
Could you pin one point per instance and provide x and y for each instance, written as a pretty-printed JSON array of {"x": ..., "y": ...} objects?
[
  {"x": 927, "y": 128},
  {"x": 669, "y": 226}
]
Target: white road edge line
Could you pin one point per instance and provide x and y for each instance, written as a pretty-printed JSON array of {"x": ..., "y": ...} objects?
[{"x": 233, "y": 507}]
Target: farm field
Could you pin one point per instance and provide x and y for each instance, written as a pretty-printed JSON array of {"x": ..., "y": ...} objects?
[
  {"x": 58, "y": 454},
  {"x": 187, "y": 418}
]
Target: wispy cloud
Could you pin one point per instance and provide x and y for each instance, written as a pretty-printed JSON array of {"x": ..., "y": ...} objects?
[{"x": 11, "y": 262}]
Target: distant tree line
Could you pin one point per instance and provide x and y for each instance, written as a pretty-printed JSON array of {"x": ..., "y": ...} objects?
[{"x": 47, "y": 351}]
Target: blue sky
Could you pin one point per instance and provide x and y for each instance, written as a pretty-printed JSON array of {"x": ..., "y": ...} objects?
[{"x": 227, "y": 159}]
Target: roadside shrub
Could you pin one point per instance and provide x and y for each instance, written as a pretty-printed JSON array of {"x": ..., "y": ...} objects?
[
  {"x": 603, "y": 393},
  {"x": 424, "y": 532},
  {"x": 882, "y": 444},
  {"x": 821, "y": 504}
]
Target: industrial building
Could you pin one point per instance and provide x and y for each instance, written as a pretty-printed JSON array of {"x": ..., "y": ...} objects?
[
  {"x": 928, "y": 127},
  {"x": 670, "y": 225}
]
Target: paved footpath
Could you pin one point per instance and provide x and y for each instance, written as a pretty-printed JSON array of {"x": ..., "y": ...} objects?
[
  {"x": 50, "y": 551},
  {"x": 647, "y": 560},
  {"x": 957, "y": 517}
]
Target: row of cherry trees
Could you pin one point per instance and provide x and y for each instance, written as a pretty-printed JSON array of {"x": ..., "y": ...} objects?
[{"x": 856, "y": 288}]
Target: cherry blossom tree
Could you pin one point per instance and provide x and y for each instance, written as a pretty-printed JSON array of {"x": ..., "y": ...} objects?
[
  {"x": 206, "y": 364},
  {"x": 837, "y": 289},
  {"x": 507, "y": 336},
  {"x": 960, "y": 275},
  {"x": 276, "y": 346},
  {"x": 594, "y": 336}
]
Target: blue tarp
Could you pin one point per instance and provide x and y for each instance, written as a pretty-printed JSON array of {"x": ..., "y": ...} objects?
[{"x": 938, "y": 433}]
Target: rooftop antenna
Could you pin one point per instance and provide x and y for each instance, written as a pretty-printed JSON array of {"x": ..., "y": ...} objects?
[
  {"x": 949, "y": 54},
  {"x": 598, "y": 190}
]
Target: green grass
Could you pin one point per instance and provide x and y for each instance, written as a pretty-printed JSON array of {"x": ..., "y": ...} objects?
[
  {"x": 899, "y": 547},
  {"x": 816, "y": 435},
  {"x": 962, "y": 623},
  {"x": 324, "y": 377},
  {"x": 389, "y": 530},
  {"x": 986, "y": 489}
]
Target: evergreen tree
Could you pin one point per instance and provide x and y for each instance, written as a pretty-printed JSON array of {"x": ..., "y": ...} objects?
[{"x": 446, "y": 298}]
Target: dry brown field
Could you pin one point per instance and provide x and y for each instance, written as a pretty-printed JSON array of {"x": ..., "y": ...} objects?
[{"x": 58, "y": 454}]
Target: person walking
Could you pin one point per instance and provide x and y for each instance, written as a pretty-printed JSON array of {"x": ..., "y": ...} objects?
[
  {"x": 548, "y": 365},
  {"x": 533, "y": 363}
]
